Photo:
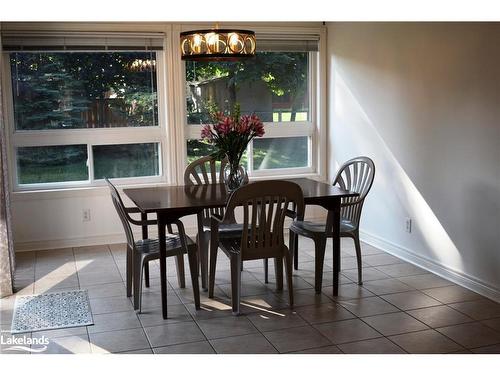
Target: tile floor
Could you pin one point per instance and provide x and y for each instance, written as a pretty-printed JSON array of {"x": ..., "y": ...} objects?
[{"x": 399, "y": 309}]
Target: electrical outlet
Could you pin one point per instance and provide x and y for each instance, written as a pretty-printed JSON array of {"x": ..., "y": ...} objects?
[
  {"x": 86, "y": 214},
  {"x": 408, "y": 225}
]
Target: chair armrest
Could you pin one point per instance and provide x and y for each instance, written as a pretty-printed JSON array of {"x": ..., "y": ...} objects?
[
  {"x": 143, "y": 222},
  {"x": 136, "y": 210}
]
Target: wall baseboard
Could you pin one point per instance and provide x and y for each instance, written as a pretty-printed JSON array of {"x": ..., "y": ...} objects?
[{"x": 431, "y": 265}]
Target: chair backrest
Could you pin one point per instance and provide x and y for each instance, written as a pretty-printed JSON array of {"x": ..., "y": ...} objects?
[
  {"x": 355, "y": 175},
  {"x": 203, "y": 171},
  {"x": 265, "y": 205},
  {"x": 120, "y": 209}
]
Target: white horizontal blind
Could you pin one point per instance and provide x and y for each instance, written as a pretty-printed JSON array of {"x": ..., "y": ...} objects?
[
  {"x": 81, "y": 41},
  {"x": 287, "y": 43}
]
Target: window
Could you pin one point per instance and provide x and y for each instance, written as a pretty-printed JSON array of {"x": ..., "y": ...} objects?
[
  {"x": 79, "y": 116},
  {"x": 277, "y": 85},
  {"x": 85, "y": 105}
]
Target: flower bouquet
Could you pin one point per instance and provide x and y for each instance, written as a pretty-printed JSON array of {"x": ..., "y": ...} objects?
[{"x": 230, "y": 134}]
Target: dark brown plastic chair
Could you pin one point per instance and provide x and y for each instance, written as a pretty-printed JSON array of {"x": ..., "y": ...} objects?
[
  {"x": 355, "y": 175},
  {"x": 265, "y": 205},
  {"x": 139, "y": 253},
  {"x": 203, "y": 171}
]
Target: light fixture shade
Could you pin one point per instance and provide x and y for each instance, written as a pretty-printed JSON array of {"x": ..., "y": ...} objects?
[{"x": 217, "y": 44}]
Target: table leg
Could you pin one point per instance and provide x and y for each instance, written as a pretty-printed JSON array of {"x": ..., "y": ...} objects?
[
  {"x": 144, "y": 217},
  {"x": 336, "y": 248},
  {"x": 163, "y": 264},
  {"x": 203, "y": 252}
]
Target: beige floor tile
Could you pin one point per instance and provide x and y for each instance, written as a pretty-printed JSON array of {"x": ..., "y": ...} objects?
[
  {"x": 248, "y": 288},
  {"x": 118, "y": 341},
  {"x": 425, "y": 281},
  {"x": 346, "y": 331},
  {"x": 327, "y": 279},
  {"x": 439, "y": 316},
  {"x": 154, "y": 317},
  {"x": 264, "y": 302},
  {"x": 471, "y": 335},
  {"x": 386, "y": 286},
  {"x": 294, "y": 339},
  {"x": 479, "y": 310},
  {"x": 106, "y": 290},
  {"x": 201, "y": 347},
  {"x": 452, "y": 294},
  {"x": 330, "y": 349},
  {"x": 214, "y": 308},
  {"x": 110, "y": 305},
  {"x": 395, "y": 323},
  {"x": 368, "y": 306},
  {"x": 139, "y": 351},
  {"x": 151, "y": 300},
  {"x": 368, "y": 274},
  {"x": 492, "y": 349},
  {"x": 297, "y": 283},
  {"x": 171, "y": 334},
  {"x": 249, "y": 344},
  {"x": 56, "y": 333},
  {"x": 95, "y": 278},
  {"x": 373, "y": 346},
  {"x": 324, "y": 313},
  {"x": 425, "y": 342},
  {"x": 381, "y": 260},
  {"x": 348, "y": 292},
  {"x": 273, "y": 320},
  {"x": 402, "y": 269},
  {"x": 114, "y": 321},
  {"x": 67, "y": 345},
  {"x": 410, "y": 300},
  {"x": 304, "y": 297},
  {"x": 226, "y": 327},
  {"x": 492, "y": 323}
]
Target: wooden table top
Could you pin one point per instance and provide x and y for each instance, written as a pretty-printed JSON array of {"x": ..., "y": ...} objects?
[{"x": 197, "y": 197}]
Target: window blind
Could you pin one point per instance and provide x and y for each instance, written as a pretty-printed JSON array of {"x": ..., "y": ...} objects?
[
  {"x": 287, "y": 43},
  {"x": 81, "y": 41}
]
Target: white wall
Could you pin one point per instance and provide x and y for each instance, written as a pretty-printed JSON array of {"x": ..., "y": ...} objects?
[{"x": 422, "y": 99}]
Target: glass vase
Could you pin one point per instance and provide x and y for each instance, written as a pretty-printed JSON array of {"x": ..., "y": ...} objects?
[{"x": 234, "y": 176}]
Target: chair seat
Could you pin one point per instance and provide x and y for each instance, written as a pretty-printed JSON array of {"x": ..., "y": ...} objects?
[
  {"x": 152, "y": 245},
  {"x": 305, "y": 227},
  {"x": 227, "y": 230}
]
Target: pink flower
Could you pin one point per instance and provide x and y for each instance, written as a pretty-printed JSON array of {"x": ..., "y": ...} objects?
[
  {"x": 224, "y": 126},
  {"x": 244, "y": 125},
  {"x": 256, "y": 125},
  {"x": 206, "y": 132}
]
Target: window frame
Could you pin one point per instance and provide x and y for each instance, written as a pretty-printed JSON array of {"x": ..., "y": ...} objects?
[
  {"x": 283, "y": 129},
  {"x": 89, "y": 137},
  {"x": 172, "y": 132}
]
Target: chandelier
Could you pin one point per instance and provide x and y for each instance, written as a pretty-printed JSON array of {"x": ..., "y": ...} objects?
[{"x": 217, "y": 44}]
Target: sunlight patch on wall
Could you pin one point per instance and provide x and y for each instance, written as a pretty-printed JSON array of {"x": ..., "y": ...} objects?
[{"x": 353, "y": 127}]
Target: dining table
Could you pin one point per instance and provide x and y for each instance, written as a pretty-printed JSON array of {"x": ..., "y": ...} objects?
[{"x": 171, "y": 203}]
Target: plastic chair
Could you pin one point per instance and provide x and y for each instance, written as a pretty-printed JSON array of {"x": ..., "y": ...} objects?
[
  {"x": 139, "y": 253},
  {"x": 265, "y": 205},
  {"x": 355, "y": 175},
  {"x": 203, "y": 171}
]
